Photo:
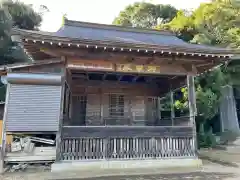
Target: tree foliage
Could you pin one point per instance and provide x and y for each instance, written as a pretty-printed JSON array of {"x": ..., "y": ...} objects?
[
  {"x": 23, "y": 15},
  {"x": 215, "y": 23},
  {"x": 5, "y": 28},
  {"x": 182, "y": 25},
  {"x": 145, "y": 15},
  {"x": 20, "y": 15}
]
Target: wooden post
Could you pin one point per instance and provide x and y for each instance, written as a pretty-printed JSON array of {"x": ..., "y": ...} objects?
[
  {"x": 159, "y": 109},
  {"x": 192, "y": 106},
  {"x": 172, "y": 107},
  {"x": 3, "y": 148},
  {"x": 130, "y": 111},
  {"x": 59, "y": 133},
  {"x": 101, "y": 107}
]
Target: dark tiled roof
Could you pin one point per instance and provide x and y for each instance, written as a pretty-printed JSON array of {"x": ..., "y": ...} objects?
[
  {"x": 92, "y": 31},
  {"x": 75, "y": 31}
]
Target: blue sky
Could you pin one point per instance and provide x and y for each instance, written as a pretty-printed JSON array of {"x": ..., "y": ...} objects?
[{"x": 98, "y": 11}]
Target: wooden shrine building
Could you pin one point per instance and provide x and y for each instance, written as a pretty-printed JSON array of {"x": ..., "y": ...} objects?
[{"x": 98, "y": 89}]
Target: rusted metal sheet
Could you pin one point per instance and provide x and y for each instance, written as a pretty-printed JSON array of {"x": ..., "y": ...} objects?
[{"x": 30, "y": 78}]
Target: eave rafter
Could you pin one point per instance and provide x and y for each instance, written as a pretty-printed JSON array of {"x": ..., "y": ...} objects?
[
  {"x": 141, "y": 48},
  {"x": 200, "y": 57},
  {"x": 200, "y": 63}
]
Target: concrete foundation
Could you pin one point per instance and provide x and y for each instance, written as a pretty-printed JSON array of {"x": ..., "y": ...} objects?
[{"x": 126, "y": 164}]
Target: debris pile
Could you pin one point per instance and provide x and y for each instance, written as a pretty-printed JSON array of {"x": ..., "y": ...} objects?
[
  {"x": 27, "y": 144},
  {"x": 29, "y": 153},
  {"x": 26, "y": 167}
]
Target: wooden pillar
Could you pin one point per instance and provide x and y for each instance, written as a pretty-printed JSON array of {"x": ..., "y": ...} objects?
[
  {"x": 61, "y": 117},
  {"x": 159, "y": 108},
  {"x": 172, "y": 107},
  {"x": 4, "y": 133},
  {"x": 3, "y": 148},
  {"x": 192, "y": 106},
  {"x": 130, "y": 111},
  {"x": 101, "y": 107},
  {"x": 68, "y": 101}
]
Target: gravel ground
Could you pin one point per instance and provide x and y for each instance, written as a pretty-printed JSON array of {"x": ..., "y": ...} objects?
[{"x": 210, "y": 171}]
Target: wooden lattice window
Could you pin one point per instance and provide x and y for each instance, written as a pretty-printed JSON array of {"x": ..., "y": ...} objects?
[{"x": 116, "y": 105}]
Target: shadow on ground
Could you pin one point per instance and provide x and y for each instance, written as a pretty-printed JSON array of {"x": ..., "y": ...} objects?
[{"x": 188, "y": 176}]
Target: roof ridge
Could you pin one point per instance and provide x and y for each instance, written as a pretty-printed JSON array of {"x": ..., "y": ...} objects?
[{"x": 68, "y": 22}]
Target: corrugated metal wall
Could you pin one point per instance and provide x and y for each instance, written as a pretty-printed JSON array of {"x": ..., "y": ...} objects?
[
  {"x": 33, "y": 102},
  {"x": 33, "y": 108}
]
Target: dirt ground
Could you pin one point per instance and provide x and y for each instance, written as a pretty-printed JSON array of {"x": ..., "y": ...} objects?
[{"x": 209, "y": 171}]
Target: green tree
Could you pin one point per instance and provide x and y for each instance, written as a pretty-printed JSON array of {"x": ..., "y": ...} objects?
[
  {"x": 208, "y": 94},
  {"x": 145, "y": 15},
  {"x": 20, "y": 15},
  {"x": 23, "y": 15},
  {"x": 182, "y": 24},
  {"x": 215, "y": 23},
  {"x": 5, "y": 28}
]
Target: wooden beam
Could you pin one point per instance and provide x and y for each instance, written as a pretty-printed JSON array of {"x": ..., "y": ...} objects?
[
  {"x": 190, "y": 68},
  {"x": 164, "y": 68},
  {"x": 51, "y": 53},
  {"x": 150, "y": 60},
  {"x": 127, "y": 131},
  {"x": 179, "y": 57},
  {"x": 192, "y": 106},
  {"x": 172, "y": 106},
  {"x": 93, "y": 54}
]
